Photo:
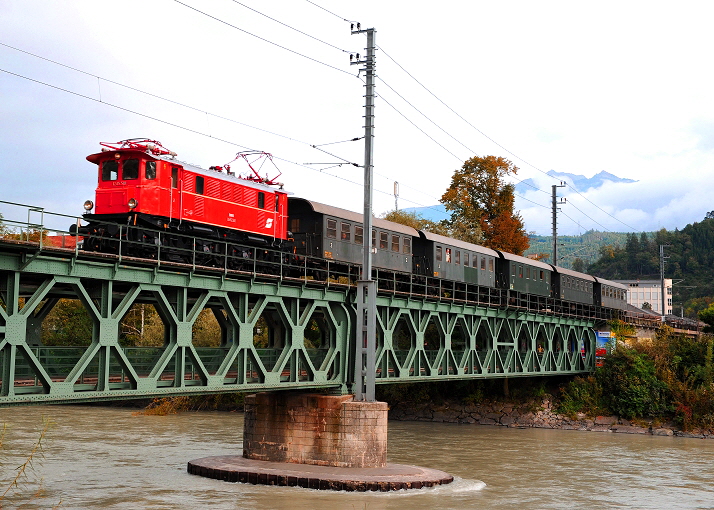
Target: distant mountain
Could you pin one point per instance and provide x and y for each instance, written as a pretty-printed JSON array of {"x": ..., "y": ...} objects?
[{"x": 579, "y": 182}]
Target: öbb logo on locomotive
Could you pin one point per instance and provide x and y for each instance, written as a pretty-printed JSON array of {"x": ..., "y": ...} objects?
[{"x": 149, "y": 198}]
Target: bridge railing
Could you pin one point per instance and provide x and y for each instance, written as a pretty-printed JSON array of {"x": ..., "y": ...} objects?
[{"x": 140, "y": 245}]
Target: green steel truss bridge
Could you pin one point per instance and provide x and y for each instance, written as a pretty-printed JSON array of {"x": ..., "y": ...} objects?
[{"x": 280, "y": 327}]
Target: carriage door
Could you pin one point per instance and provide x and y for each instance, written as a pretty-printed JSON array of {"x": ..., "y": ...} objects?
[{"x": 175, "y": 193}]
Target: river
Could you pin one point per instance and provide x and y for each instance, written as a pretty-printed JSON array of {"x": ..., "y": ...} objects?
[{"x": 114, "y": 458}]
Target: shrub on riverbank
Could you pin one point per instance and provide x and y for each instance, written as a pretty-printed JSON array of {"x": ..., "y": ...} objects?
[{"x": 669, "y": 378}]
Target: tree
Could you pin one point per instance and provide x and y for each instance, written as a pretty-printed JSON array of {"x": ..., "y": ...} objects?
[
  {"x": 416, "y": 221},
  {"x": 707, "y": 315},
  {"x": 579, "y": 265},
  {"x": 4, "y": 231},
  {"x": 481, "y": 205}
]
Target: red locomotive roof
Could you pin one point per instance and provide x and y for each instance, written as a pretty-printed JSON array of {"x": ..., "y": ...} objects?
[{"x": 152, "y": 149}]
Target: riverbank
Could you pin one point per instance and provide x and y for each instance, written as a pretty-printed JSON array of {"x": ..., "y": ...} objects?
[{"x": 532, "y": 413}]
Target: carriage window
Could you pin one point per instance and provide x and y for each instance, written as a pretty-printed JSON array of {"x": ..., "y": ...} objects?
[
  {"x": 466, "y": 259},
  {"x": 490, "y": 265},
  {"x": 520, "y": 271},
  {"x": 513, "y": 268},
  {"x": 374, "y": 239},
  {"x": 199, "y": 188},
  {"x": 261, "y": 200},
  {"x": 130, "y": 169},
  {"x": 359, "y": 236},
  {"x": 331, "y": 228},
  {"x": 174, "y": 177},
  {"x": 528, "y": 273},
  {"x": 483, "y": 265},
  {"x": 346, "y": 231},
  {"x": 383, "y": 241},
  {"x": 458, "y": 257},
  {"x": 150, "y": 170},
  {"x": 395, "y": 243},
  {"x": 110, "y": 171},
  {"x": 475, "y": 264},
  {"x": 541, "y": 275},
  {"x": 438, "y": 253},
  {"x": 407, "y": 246},
  {"x": 448, "y": 255}
]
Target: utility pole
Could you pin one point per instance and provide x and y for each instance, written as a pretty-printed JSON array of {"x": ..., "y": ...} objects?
[
  {"x": 556, "y": 202},
  {"x": 366, "y": 327},
  {"x": 396, "y": 195}
]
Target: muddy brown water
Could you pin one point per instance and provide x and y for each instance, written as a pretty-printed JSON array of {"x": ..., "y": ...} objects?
[{"x": 111, "y": 458}]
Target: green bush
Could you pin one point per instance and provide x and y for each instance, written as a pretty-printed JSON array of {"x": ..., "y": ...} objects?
[{"x": 630, "y": 387}]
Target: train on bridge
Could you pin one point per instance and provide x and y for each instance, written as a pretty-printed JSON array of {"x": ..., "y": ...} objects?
[{"x": 147, "y": 200}]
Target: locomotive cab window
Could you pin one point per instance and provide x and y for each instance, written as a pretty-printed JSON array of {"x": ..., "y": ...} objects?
[
  {"x": 261, "y": 200},
  {"x": 150, "y": 170},
  {"x": 174, "y": 177},
  {"x": 110, "y": 170},
  {"x": 130, "y": 169},
  {"x": 331, "y": 228},
  {"x": 277, "y": 203},
  {"x": 199, "y": 185}
]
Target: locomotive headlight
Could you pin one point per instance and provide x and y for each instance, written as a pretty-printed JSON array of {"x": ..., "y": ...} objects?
[
  {"x": 88, "y": 205},
  {"x": 133, "y": 202}
]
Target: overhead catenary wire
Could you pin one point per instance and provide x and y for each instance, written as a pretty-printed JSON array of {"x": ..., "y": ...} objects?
[
  {"x": 193, "y": 108},
  {"x": 263, "y": 38},
  {"x": 292, "y": 27}
]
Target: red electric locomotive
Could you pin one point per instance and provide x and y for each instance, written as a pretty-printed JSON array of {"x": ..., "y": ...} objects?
[{"x": 142, "y": 185}]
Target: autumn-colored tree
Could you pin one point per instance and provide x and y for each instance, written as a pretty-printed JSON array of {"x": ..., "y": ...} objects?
[
  {"x": 481, "y": 205},
  {"x": 417, "y": 221}
]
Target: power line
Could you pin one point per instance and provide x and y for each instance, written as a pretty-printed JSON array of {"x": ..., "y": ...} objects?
[
  {"x": 427, "y": 118},
  {"x": 263, "y": 38},
  {"x": 184, "y": 105},
  {"x": 292, "y": 28},
  {"x": 420, "y": 129},
  {"x": 197, "y": 132},
  {"x": 603, "y": 210},
  {"x": 320, "y": 7}
]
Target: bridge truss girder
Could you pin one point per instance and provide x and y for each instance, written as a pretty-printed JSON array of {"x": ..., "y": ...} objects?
[{"x": 418, "y": 340}]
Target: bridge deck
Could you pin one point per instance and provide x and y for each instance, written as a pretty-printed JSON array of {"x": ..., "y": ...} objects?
[{"x": 428, "y": 330}]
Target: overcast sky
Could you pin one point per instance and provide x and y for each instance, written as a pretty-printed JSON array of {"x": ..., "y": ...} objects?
[{"x": 575, "y": 87}]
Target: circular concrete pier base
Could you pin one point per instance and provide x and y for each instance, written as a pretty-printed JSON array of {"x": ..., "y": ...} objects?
[{"x": 392, "y": 477}]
